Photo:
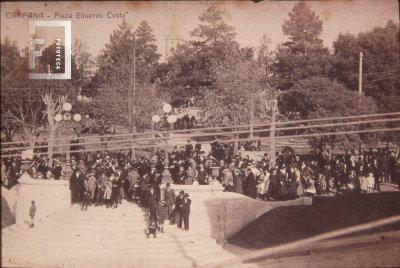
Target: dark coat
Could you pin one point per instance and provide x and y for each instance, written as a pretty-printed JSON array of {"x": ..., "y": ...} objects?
[
  {"x": 251, "y": 185},
  {"x": 77, "y": 182},
  {"x": 178, "y": 202},
  {"x": 169, "y": 197},
  {"x": 185, "y": 206}
]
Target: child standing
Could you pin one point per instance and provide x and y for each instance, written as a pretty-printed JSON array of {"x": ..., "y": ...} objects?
[
  {"x": 364, "y": 184},
  {"x": 152, "y": 229},
  {"x": 371, "y": 182},
  {"x": 32, "y": 212},
  {"x": 86, "y": 198},
  {"x": 162, "y": 214}
]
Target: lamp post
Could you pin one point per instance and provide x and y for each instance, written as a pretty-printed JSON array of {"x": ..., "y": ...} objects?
[
  {"x": 65, "y": 115},
  {"x": 170, "y": 120}
]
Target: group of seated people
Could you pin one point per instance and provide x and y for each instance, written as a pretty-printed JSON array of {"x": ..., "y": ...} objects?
[{"x": 38, "y": 169}]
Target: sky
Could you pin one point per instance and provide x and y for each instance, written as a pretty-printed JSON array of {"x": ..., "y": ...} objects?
[{"x": 251, "y": 20}]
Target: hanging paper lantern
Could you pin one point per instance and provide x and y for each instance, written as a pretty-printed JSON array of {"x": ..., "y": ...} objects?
[
  {"x": 58, "y": 117},
  {"x": 167, "y": 108},
  {"x": 172, "y": 119},
  {"x": 67, "y": 106},
  {"x": 77, "y": 117},
  {"x": 155, "y": 118}
]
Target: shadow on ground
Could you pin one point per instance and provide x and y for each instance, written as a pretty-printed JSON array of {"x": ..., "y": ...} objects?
[
  {"x": 328, "y": 213},
  {"x": 7, "y": 218}
]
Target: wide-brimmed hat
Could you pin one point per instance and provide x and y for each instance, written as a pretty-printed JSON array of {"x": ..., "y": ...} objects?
[
  {"x": 186, "y": 195},
  {"x": 182, "y": 192}
]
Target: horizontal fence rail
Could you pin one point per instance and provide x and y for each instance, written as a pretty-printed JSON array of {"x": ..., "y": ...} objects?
[
  {"x": 231, "y": 127},
  {"x": 198, "y": 135},
  {"x": 222, "y": 141}
]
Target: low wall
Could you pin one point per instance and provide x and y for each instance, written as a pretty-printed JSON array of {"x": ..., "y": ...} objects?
[
  {"x": 230, "y": 212},
  {"x": 49, "y": 196}
]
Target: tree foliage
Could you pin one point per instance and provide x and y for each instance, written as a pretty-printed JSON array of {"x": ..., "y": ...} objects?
[
  {"x": 115, "y": 77},
  {"x": 214, "y": 45},
  {"x": 304, "y": 55},
  {"x": 381, "y": 60},
  {"x": 321, "y": 98},
  {"x": 234, "y": 98}
]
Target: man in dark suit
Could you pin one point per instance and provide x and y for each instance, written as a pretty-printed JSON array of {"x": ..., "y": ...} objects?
[
  {"x": 144, "y": 187},
  {"x": 152, "y": 203},
  {"x": 76, "y": 185},
  {"x": 176, "y": 214},
  {"x": 185, "y": 211},
  {"x": 169, "y": 198}
]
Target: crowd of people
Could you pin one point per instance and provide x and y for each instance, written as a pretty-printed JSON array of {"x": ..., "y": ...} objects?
[{"x": 102, "y": 179}]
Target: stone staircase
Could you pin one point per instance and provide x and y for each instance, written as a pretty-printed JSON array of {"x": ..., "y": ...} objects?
[{"x": 101, "y": 237}]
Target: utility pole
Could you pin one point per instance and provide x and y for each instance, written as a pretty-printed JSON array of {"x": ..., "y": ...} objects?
[
  {"x": 252, "y": 117},
  {"x": 360, "y": 75},
  {"x": 132, "y": 84},
  {"x": 272, "y": 105}
]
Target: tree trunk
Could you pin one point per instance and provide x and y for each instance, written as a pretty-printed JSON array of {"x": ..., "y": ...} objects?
[
  {"x": 251, "y": 117},
  {"x": 272, "y": 140},
  {"x": 235, "y": 143},
  {"x": 52, "y": 127}
]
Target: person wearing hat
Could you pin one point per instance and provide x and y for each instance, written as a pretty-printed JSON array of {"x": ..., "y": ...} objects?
[
  {"x": 202, "y": 175},
  {"x": 169, "y": 198},
  {"x": 91, "y": 186},
  {"x": 177, "y": 211},
  {"x": 57, "y": 168},
  {"x": 76, "y": 185},
  {"x": 185, "y": 211},
  {"x": 250, "y": 184},
  {"x": 189, "y": 148},
  {"x": 182, "y": 154},
  {"x": 133, "y": 179},
  {"x": 144, "y": 187},
  {"x": 162, "y": 214},
  {"x": 108, "y": 191},
  {"x": 115, "y": 190},
  {"x": 273, "y": 184},
  {"x": 101, "y": 186},
  {"x": 152, "y": 202}
]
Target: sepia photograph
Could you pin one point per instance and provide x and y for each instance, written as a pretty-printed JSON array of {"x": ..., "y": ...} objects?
[{"x": 213, "y": 134}]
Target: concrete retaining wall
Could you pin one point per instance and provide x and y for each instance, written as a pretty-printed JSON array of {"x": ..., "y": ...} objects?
[{"x": 230, "y": 212}]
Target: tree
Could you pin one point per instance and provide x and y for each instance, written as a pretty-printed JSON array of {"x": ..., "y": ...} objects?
[
  {"x": 115, "y": 63},
  {"x": 381, "y": 60},
  {"x": 231, "y": 101},
  {"x": 22, "y": 110},
  {"x": 265, "y": 57},
  {"x": 116, "y": 99},
  {"x": 10, "y": 63},
  {"x": 304, "y": 55},
  {"x": 321, "y": 98},
  {"x": 84, "y": 62},
  {"x": 214, "y": 45}
]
